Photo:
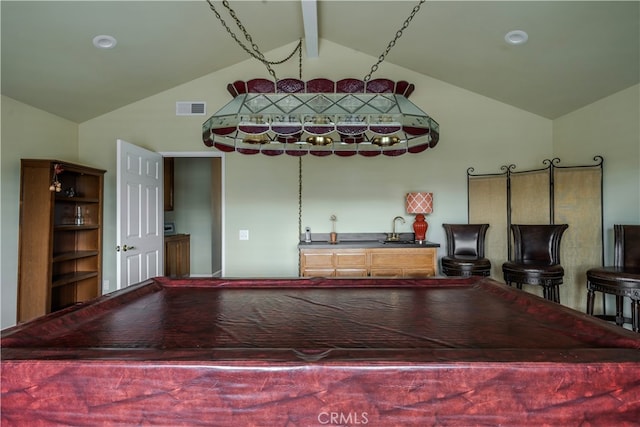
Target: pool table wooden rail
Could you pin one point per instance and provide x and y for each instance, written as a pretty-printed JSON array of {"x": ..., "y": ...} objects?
[{"x": 307, "y": 352}]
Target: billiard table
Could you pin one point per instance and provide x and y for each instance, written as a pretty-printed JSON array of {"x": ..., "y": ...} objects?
[{"x": 320, "y": 351}]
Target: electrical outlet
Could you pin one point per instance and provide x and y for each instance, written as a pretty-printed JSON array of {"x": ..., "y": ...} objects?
[{"x": 243, "y": 235}]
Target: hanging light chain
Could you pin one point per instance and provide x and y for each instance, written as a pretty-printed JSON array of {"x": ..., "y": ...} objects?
[
  {"x": 392, "y": 43},
  {"x": 299, "y": 202},
  {"x": 232, "y": 13},
  {"x": 256, "y": 53},
  {"x": 300, "y": 59},
  {"x": 299, "y": 195}
]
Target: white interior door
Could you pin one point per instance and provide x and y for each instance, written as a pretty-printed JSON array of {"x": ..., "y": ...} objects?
[{"x": 140, "y": 214}]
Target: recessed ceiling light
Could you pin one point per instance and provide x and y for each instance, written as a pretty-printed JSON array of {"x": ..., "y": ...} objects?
[
  {"x": 516, "y": 37},
  {"x": 104, "y": 42}
]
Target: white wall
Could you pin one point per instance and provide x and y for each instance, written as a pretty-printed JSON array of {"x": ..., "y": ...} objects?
[
  {"x": 609, "y": 128},
  {"x": 192, "y": 209},
  {"x": 26, "y": 133},
  {"x": 261, "y": 193}
]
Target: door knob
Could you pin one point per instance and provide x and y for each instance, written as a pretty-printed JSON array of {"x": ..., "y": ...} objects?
[{"x": 124, "y": 248}]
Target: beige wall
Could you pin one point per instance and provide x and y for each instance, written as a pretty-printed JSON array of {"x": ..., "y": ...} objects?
[
  {"x": 26, "y": 133},
  {"x": 261, "y": 193}
]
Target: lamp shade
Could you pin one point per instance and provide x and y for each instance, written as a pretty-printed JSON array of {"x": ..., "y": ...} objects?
[{"x": 419, "y": 203}]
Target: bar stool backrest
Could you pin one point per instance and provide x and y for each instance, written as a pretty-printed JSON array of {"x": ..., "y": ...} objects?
[{"x": 626, "y": 245}]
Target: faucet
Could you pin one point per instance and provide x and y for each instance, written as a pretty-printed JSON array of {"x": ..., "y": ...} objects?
[{"x": 394, "y": 236}]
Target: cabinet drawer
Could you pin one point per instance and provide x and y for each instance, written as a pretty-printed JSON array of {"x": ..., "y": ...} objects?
[
  {"x": 350, "y": 258},
  {"x": 403, "y": 258},
  {"x": 386, "y": 272},
  {"x": 380, "y": 262},
  {"x": 354, "y": 272},
  {"x": 317, "y": 259},
  {"x": 318, "y": 272},
  {"x": 418, "y": 272}
]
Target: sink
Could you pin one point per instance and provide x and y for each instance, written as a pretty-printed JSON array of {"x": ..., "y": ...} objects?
[{"x": 398, "y": 242}]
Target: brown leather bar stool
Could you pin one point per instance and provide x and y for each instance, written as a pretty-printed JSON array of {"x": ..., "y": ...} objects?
[
  {"x": 622, "y": 279},
  {"x": 465, "y": 250},
  {"x": 536, "y": 258}
]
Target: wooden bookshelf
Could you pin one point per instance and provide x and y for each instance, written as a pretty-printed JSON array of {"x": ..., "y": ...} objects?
[{"x": 60, "y": 246}]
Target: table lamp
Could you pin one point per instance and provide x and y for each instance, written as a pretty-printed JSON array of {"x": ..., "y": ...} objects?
[{"x": 420, "y": 204}]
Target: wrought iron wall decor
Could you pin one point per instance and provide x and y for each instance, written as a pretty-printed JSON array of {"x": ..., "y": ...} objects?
[
  {"x": 548, "y": 195},
  {"x": 508, "y": 171}
]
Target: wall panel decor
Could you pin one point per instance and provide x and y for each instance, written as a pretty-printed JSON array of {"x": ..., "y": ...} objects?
[
  {"x": 485, "y": 193},
  {"x": 530, "y": 197},
  {"x": 553, "y": 194}
]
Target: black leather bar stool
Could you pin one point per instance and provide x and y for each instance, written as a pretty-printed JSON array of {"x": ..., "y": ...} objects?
[
  {"x": 465, "y": 250},
  {"x": 536, "y": 258},
  {"x": 622, "y": 279}
]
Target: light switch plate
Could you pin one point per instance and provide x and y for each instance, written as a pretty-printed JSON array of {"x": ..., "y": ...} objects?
[{"x": 243, "y": 235}]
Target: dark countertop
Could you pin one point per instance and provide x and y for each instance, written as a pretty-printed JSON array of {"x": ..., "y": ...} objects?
[{"x": 363, "y": 240}]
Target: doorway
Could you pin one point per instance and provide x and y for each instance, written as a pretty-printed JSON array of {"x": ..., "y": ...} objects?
[{"x": 198, "y": 195}]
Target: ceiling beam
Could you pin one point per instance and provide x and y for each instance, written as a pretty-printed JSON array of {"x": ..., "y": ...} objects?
[{"x": 310, "y": 20}]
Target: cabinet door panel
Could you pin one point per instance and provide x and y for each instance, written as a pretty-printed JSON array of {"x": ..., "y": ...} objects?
[
  {"x": 377, "y": 262},
  {"x": 405, "y": 259},
  {"x": 350, "y": 258},
  {"x": 386, "y": 272},
  {"x": 388, "y": 257},
  {"x": 177, "y": 256},
  {"x": 318, "y": 272},
  {"x": 354, "y": 272},
  {"x": 418, "y": 260},
  {"x": 318, "y": 259},
  {"x": 418, "y": 272}
]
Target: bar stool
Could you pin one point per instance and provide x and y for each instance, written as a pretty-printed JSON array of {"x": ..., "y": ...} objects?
[
  {"x": 536, "y": 259},
  {"x": 622, "y": 279},
  {"x": 465, "y": 250}
]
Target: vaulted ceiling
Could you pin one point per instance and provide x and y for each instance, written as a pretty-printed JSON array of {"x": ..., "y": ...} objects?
[{"x": 577, "y": 52}]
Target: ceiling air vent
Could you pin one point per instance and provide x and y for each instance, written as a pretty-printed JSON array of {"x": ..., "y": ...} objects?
[{"x": 191, "y": 108}]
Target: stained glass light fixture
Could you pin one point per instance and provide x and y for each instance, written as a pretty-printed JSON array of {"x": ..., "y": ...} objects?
[{"x": 321, "y": 117}]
